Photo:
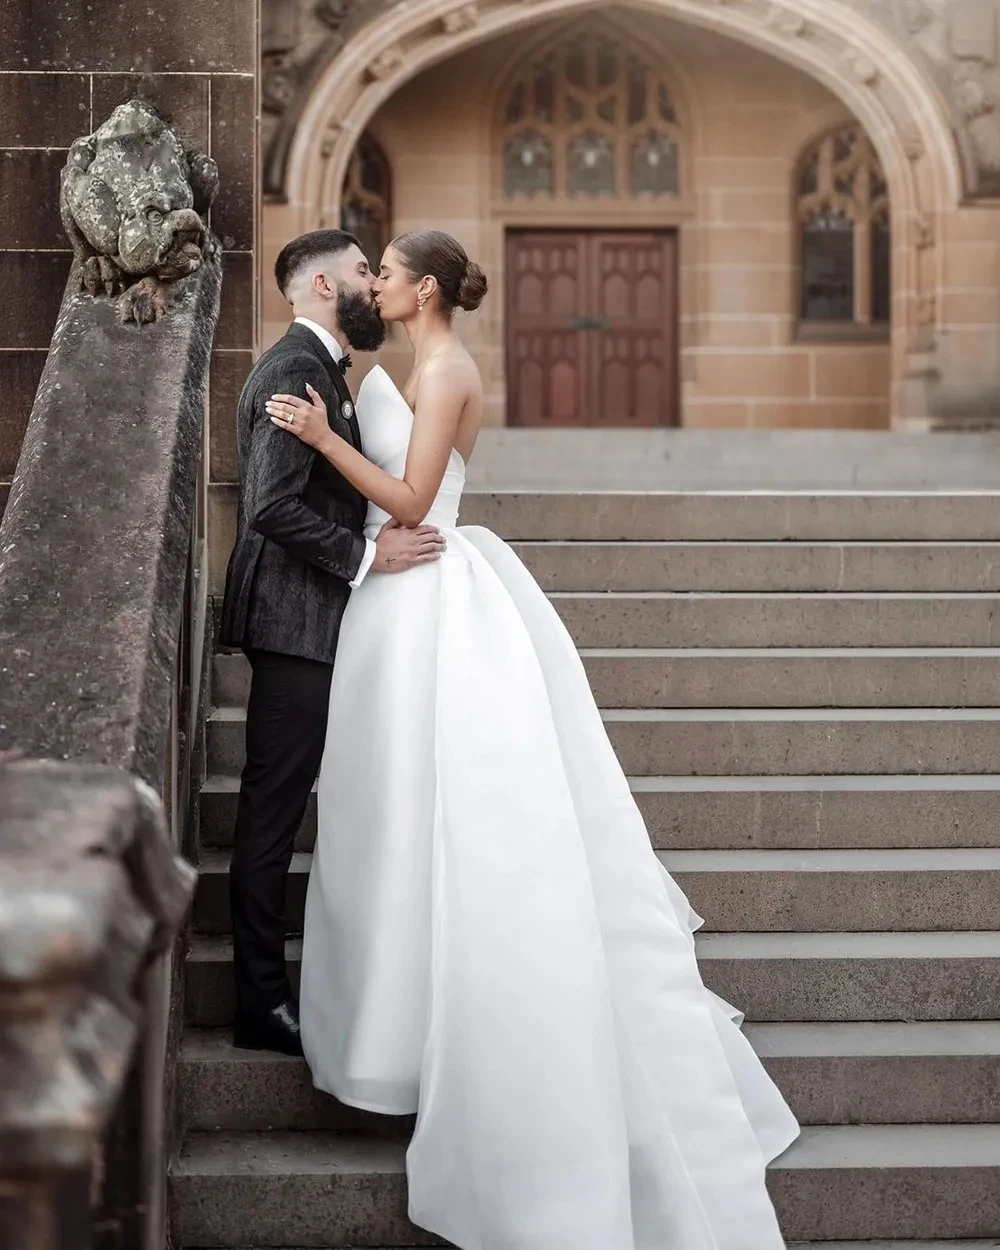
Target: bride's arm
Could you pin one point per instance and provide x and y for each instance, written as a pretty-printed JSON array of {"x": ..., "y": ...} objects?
[{"x": 441, "y": 398}]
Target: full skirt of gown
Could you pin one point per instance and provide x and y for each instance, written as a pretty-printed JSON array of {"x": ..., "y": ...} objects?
[{"x": 491, "y": 942}]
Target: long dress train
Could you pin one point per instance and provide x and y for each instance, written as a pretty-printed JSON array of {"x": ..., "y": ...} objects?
[{"x": 490, "y": 940}]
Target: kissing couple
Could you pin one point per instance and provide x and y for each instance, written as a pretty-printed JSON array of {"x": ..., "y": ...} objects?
[{"x": 490, "y": 941}]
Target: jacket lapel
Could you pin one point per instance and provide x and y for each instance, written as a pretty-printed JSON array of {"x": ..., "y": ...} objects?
[
  {"x": 303, "y": 335},
  {"x": 347, "y": 406}
]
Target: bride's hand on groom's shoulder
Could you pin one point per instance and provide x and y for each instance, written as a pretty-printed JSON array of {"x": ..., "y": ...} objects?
[{"x": 306, "y": 420}]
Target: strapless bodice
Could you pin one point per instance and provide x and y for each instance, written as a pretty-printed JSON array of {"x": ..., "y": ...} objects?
[
  {"x": 386, "y": 423},
  {"x": 444, "y": 511}
]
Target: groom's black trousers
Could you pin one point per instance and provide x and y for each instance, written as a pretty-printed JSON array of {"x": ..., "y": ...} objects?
[{"x": 286, "y": 729}]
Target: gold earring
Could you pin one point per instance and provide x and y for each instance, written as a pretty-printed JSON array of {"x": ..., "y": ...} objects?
[{"x": 421, "y": 301}]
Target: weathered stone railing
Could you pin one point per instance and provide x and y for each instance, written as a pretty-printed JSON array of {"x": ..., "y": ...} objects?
[
  {"x": 102, "y": 626},
  {"x": 90, "y": 895}
]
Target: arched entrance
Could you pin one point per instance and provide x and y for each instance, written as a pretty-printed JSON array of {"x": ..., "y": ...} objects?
[{"x": 869, "y": 73}]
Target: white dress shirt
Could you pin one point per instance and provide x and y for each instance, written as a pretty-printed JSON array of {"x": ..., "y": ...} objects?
[{"x": 337, "y": 352}]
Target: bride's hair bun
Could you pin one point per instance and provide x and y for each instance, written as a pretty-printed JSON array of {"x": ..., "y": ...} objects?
[
  {"x": 473, "y": 287},
  {"x": 461, "y": 281}
]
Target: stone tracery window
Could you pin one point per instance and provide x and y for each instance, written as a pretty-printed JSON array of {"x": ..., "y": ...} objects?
[
  {"x": 366, "y": 202},
  {"x": 590, "y": 119},
  {"x": 843, "y": 211}
]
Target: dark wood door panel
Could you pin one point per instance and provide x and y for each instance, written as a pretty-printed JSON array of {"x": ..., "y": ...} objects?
[
  {"x": 591, "y": 328},
  {"x": 547, "y": 284},
  {"x": 544, "y": 378},
  {"x": 633, "y": 362}
]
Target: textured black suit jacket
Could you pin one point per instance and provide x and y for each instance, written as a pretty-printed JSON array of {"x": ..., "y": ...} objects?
[{"x": 299, "y": 536}]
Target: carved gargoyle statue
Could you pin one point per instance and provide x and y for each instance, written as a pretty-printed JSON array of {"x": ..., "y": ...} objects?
[{"x": 134, "y": 204}]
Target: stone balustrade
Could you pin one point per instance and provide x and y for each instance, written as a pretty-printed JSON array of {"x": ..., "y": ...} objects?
[{"x": 102, "y": 628}]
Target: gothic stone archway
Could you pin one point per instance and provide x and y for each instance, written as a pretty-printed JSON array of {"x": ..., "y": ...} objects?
[{"x": 933, "y": 153}]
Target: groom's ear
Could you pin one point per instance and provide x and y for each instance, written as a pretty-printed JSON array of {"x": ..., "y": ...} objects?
[{"x": 323, "y": 285}]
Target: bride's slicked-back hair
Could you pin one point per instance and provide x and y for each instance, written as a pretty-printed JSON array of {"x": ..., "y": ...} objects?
[
  {"x": 307, "y": 248},
  {"x": 432, "y": 252}
]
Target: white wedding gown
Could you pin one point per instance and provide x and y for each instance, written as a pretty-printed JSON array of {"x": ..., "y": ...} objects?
[{"x": 490, "y": 940}]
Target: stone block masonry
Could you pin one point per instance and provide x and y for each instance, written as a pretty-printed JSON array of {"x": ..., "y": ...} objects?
[{"x": 64, "y": 66}]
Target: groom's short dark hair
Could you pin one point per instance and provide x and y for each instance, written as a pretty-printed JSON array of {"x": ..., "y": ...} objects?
[{"x": 306, "y": 249}]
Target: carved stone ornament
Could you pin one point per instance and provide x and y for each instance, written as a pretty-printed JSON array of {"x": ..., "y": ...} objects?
[
  {"x": 462, "y": 18},
  {"x": 332, "y": 13},
  {"x": 386, "y": 63},
  {"x": 913, "y": 143},
  {"x": 912, "y": 16},
  {"x": 977, "y": 96},
  {"x": 330, "y": 138},
  {"x": 862, "y": 66},
  {"x": 971, "y": 93},
  {"x": 277, "y": 87},
  {"x": 134, "y": 203},
  {"x": 917, "y": 15},
  {"x": 924, "y": 232},
  {"x": 780, "y": 19}
]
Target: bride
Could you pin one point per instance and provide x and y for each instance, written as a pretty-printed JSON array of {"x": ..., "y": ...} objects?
[{"x": 490, "y": 940}]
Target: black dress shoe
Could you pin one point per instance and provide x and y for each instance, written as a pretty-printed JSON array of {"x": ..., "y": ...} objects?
[{"x": 274, "y": 1030}]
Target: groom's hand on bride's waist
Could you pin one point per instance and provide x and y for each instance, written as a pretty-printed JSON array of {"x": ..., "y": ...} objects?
[{"x": 398, "y": 549}]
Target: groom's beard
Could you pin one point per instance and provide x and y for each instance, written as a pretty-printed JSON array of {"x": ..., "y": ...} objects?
[{"x": 360, "y": 320}]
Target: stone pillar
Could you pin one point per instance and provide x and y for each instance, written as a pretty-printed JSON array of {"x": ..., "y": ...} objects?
[{"x": 64, "y": 65}]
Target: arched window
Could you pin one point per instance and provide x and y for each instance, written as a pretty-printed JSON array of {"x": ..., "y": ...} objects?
[
  {"x": 843, "y": 211},
  {"x": 590, "y": 119},
  {"x": 366, "y": 204}
]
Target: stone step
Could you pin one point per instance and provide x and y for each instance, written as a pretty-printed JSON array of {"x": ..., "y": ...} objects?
[
  {"x": 863, "y": 1073},
  {"x": 698, "y": 516},
  {"x": 766, "y": 813},
  {"x": 319, "y": 1189},
  {"x": 665, "y": 458},
  {"x": 291, "y": 1189},
  {"x": 854, "y": 891},
  {"x": 662, "y": 619},
  {"x": 657, "y": 619},
  {"x": 755, "y": 677},
  {"x": 829, "y": 1073},
  {"x": 763, "y": 566},
  {"x": 771, "y": 977},
  {"x": 228, "y": 1090},
  {"x": 742, "y": 742},
  {"x": 713, "y": 742}
]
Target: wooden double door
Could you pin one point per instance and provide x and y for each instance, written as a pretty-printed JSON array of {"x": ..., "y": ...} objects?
[{"x": 591, "y": 328}]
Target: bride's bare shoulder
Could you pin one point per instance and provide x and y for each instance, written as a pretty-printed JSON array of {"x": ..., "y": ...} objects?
[{"x": 455, "y": 367}]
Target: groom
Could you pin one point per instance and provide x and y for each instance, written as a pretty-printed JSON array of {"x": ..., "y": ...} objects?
[{"x": 300, "y": 550}]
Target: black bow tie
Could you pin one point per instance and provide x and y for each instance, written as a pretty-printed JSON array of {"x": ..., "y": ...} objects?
[{"x": 344, "y": 363}]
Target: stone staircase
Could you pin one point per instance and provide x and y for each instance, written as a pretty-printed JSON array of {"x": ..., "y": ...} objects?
[{"x": 805, "y": 691}]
